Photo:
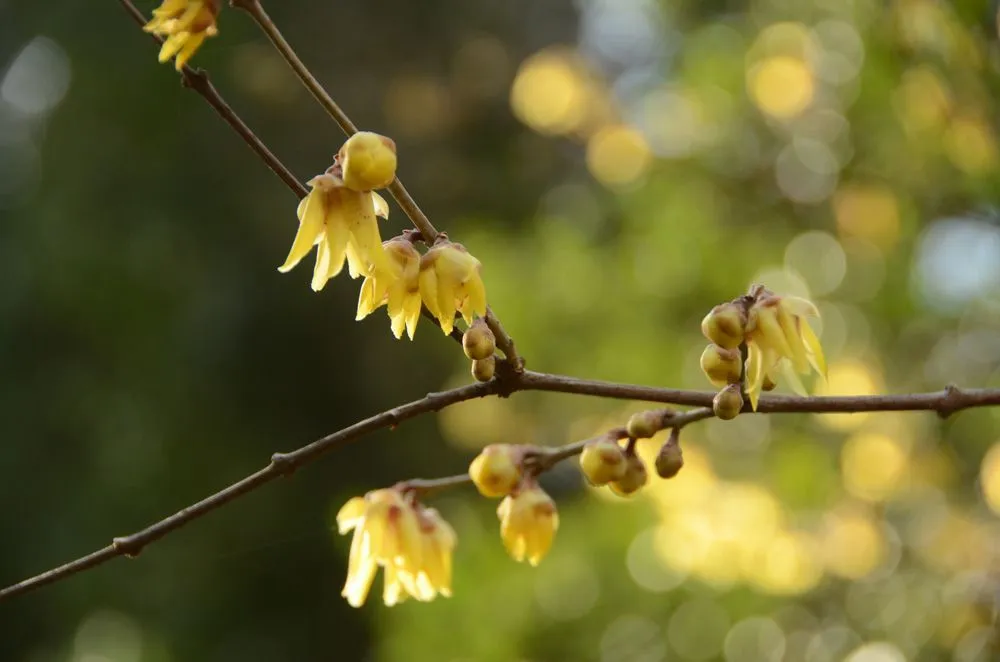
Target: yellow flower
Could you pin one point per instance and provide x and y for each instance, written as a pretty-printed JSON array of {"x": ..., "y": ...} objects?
[
  {"x": 411, "y": 543},
  {"x": 780, "y": 338},
  {"x": 184, "y": 25},
  {"x": 450, "y": 282},
  {"x": 368, "y": 161},
  {"x": 496, "y": 471},
  {"x": 343, "y": 224},
  {"x": 528, "y": 523},
  {"x": 397, "y": 287}
]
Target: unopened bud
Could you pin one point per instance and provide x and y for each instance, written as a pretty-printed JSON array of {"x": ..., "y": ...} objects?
[
  {"x": 635, "y": 477},
  {"x": 603, "y": 461},
  {"x": 368, "y": 161},
  {"x": 728, "y": 403},
  {"x": 496, "y": 471},
  {"x": 721, "y": 366},
  {"x": 725, "y": 325},
  {"x": 670, "y": 459},
  {"x": 644, "y": 424},
  {"x": 478, "y": 341},
  {"x": 483, "y": 369},
  {"x": 769, "y": 384}
]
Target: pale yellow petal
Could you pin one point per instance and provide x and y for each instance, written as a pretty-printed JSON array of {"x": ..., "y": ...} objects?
[
  {"x": 446, "y": 304},
  {"x": 322, "y": 268},
  {"x": 790, "y": 330},
  {"x": 812, "y": 343},
  {"x": 172, "y": 45},
  {"x": 350, "y": 514},
  {"x": 429, "y": 291},
  {"x": 398, "y": 325},
  {"x": 191, "y": 45},
  {"x": 769, "y": 331},
  {"x": 309, "y": 230},
  {"x": 800, "y": 307},
  {"x": 754, "y": 373},
  {"x": 381, "y": 206},
  {"x": 392, "y": 590},
  {"x": 411, "y": 313},
  {"x": 476, "y": 303},
  {"x": 366, "y": 299}
]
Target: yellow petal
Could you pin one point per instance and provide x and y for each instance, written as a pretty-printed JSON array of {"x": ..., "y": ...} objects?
[
  {"x": 769, "y": 330},
  {"x": 790, "y": 330},
  {"x": 754, "y": 373},
  {"x": 172, "y": 45},
  {"x": 381, "y": 206},
  {"x": 322, "y": 268},
  {"x": 446, "y": 304},
  {"x": 477, "y": 296},
  {"x": 366, "y": 300},
  {"x": 309, "y": 230},
  {"x": 800, "y": 307},
  {"x": 397, "y": 324},
  {"x": 190, "y": 47},
  {"x": 392, "y": 591},
  {"x": 359, "y": 215},
  {"x": 350, "y": 514},
  {"x": 812, "y": 343},
  {"x": 411, "y": 313},
  {"x": 429, "y": 291}
]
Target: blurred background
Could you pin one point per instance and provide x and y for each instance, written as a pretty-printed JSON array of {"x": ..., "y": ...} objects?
[{"x": 619, "y": 166}]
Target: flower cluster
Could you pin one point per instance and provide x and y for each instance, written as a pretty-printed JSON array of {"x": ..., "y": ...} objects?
[
  {"x": 410, "y": 542},
  {"x": 528, "y": 516},
  {"x": 779, "y": 343},
  {"x": 340, "y": 217},
  {"x": 184, "y": 25}
]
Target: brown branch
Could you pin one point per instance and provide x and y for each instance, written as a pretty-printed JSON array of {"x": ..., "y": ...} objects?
[
  {"x": 944, "y": 402},
  {"x": 197, "y": 80},
  {"x": 281, "y": 464},
  {"x": 403, "y": 198}
]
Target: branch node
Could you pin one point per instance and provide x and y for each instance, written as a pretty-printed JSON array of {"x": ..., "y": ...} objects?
[
  {"x": 128, "y": 546},
  {"x": 283, "y": 463},
  {"x": 952, "y": 401}
]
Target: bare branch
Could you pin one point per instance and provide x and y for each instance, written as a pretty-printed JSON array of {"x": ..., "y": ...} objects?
[
  {"x": 197, "y": 80},
  {"x": 281, "y": 464}
]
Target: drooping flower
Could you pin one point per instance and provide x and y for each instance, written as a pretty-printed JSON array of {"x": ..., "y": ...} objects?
[
  {"x": 779, "y": 338},
  {"x": 411, "y": 543},
  {"x": 397, "y": 287},
  {"x": 184, "y": 25},
  {"x": 450, "y": 282},
  {"x": 528, "y": 523},
  {"x": 368, "y": 161},
  {"x": 496, "y": 471},
  {"x": 342, "y": 223}
]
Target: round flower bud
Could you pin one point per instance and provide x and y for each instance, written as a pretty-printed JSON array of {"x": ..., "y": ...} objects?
[
  {"x": 634, "y": 478},
  {"x": 368, "y": 161},
  {"x": 644, "y": 424},
  {"x": 728, "y": 403},
  {"x": 478, "y": 341},
  {"x": 483, "y": 369},
  {"x": 496, "y": 471},
  {"x": 725, "y": 325},
  {"x": 670, "y": 459},
  {"x": 721, "y": 366},
  {"x": 603, "y": 461}
]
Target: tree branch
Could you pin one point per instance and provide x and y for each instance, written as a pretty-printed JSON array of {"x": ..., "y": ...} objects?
[
  {"x": 281, "y": 464},
  {"x": 403, "y": 198},
  {"x": 197, "y": 80},
  {"x": 944, "y": 402}
]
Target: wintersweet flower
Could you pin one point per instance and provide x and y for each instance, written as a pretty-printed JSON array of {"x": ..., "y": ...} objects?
[
  {"x": 496, "y": 471},
  {"x": 397, "y": 287},
  {"x": 779, "y": 338},
  {"x": 342, "y": 223},
  {"x": 368, "y": 161},
  {"x": 450, "y": 282},
  {"x": 184, "y": 25},
  {"x": 413, "y": 544},
  {"x": 528, "y": 523}
]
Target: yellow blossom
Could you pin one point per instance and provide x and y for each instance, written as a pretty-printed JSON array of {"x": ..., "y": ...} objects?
[
  {"x": 343, "y": 224},
  {"x": 450, "y": 282},
  {"x": 779, "y": 338},
  {"x": 411, "y": 543},
  {"x": 397, "y": 287},
  {"x": 528, "y": 523},
  {"x": 496, "y": 471},
  {"x": 368, "y": 161},
  {"x": 184, "y": 25}
]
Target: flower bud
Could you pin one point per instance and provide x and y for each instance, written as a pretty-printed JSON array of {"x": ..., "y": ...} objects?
[
  {"x": 728, "y": 403},
  {"x": 768, "y": 384},
  {"x": 603, "y": 461},
  {"x": 725, "y": 325},
  {"x": 721, "y": 366},
  {"x": 670, "y": 459},
  {"x": 478, "y": 341},
  {"x": 496, "y": 471},
  {"x": 483, "y": 369},
  {"x": 644, "y": 424},
  {"x": 368, "y": 161},
  {"x": 634, "y": 478}
]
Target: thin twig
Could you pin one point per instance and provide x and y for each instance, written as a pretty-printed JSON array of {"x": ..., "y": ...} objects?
[
  {"x": 281, "y": 464},
  {"x": 406, "y": 202},
  {"x": 197, "y": 80}
]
